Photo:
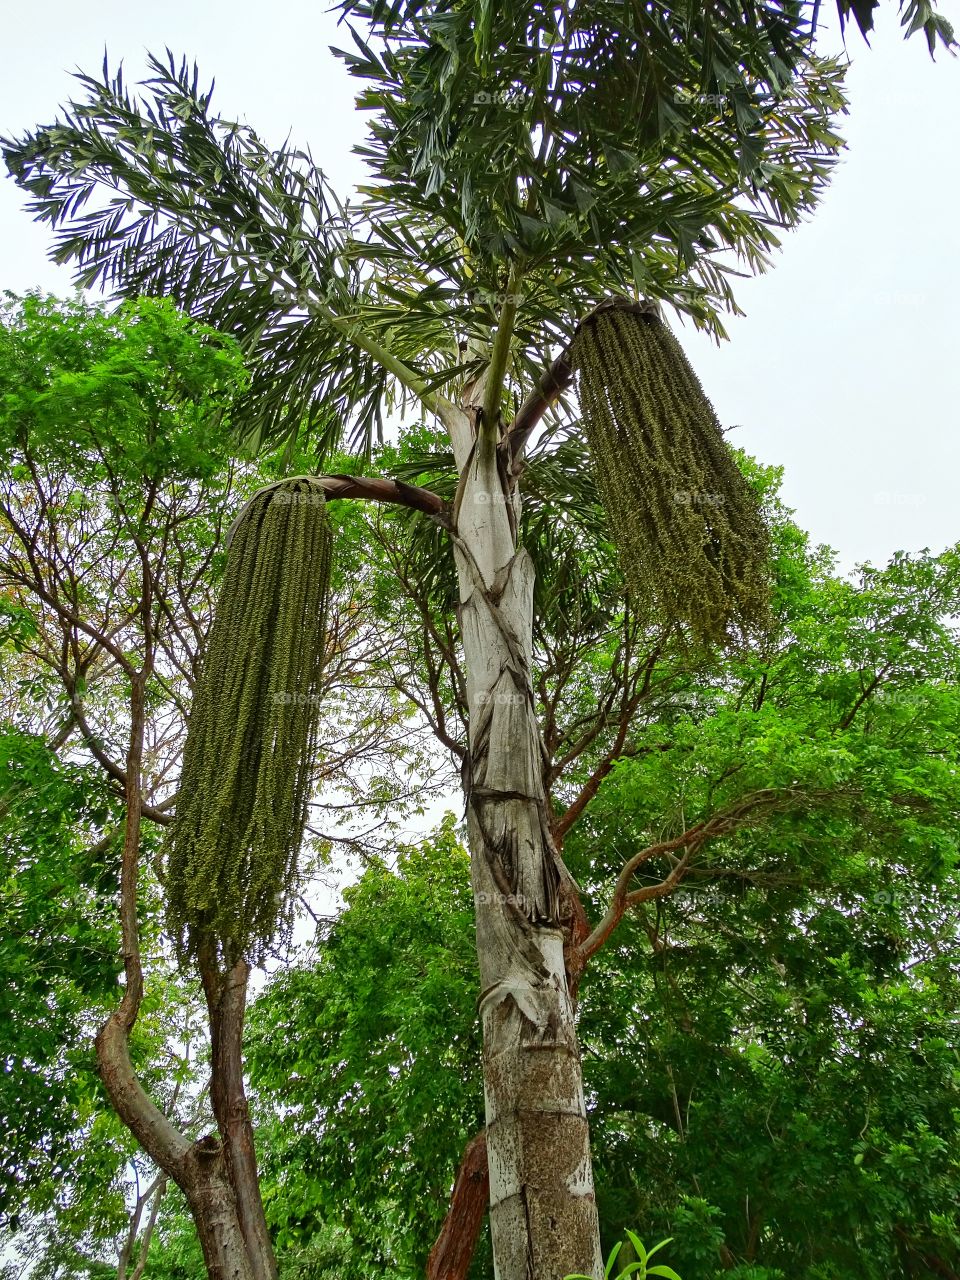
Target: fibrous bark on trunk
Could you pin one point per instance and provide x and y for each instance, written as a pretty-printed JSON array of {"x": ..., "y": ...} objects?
[{"x": 542, "y": 1208}]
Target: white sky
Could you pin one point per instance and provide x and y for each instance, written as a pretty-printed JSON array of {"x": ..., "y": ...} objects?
[{"x": 845, "y": 369}]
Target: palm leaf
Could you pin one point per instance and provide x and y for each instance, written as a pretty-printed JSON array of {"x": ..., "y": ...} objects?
[{"x": 154, "y": 195}]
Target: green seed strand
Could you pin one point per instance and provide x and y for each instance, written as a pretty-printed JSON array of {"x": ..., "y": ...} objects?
[
  {"x": 688, "y": 527},
  {"x": 233, "y": 848}
]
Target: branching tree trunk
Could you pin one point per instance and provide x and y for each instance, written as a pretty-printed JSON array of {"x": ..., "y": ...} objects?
[
  {"x": 199, "y": 1168},
  {"x": 135, "y": 562},
  {"x": 218, "y": 1178},
  {"x": 226, "y": 1000}
]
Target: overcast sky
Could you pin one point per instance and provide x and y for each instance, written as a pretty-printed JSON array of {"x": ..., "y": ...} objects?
[{"x": 845, "y": 368}]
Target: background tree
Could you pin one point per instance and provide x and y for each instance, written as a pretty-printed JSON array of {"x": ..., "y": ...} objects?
[{"x": 117, "y": 478}]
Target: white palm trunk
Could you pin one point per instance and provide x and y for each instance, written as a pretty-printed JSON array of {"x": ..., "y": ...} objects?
[{"x": 542, "y": 1208}]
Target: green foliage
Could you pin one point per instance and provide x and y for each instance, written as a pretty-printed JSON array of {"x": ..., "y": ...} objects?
[
  {"x": 249, "y": 239},
  {"x": 605, "y": 167},
  {"x": 129, "y": 396},
  {"x": 366, "y": 1066},
  {"x": 785, "y": 1023},
  {"x": 58, "y": 955},
  {"x": 114, "y": 430},
  {"x": 639, "y": 1267},
  {"x": 770, "y": 1046},
  {"x": 326, "y": 1254},
  {"x": 686, "y": 522},
  {"x": 248, "y": 759},
  {"x": 579, "y": 145},
  {"x": 175, "y": 1252},
  {"x": 608, "y": 174}
]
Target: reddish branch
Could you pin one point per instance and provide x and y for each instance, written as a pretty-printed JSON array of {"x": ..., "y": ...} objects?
[
  {"x": 450, "y": 1257},
  {"x": 555, "y": 381},
  {"x": 382, "y": 490},
  {"x": 686, "y": 845},
  {"x": 373, "y": 488}
]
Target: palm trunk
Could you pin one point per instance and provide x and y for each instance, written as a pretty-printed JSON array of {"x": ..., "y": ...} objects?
[{"x": 542, "y": 1208}]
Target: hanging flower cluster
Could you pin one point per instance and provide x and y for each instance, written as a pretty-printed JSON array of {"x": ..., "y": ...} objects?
[
  {"x": 688, "y": 527},
  {"x": 231, "y": 854}
]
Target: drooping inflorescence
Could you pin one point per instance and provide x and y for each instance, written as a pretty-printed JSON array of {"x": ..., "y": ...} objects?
[
  {"x": 231, "y": 854},
  {"x": 688, "y": 527}
]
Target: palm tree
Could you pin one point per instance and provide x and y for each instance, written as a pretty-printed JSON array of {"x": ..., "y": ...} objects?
[{"x": 528, "y": 164}]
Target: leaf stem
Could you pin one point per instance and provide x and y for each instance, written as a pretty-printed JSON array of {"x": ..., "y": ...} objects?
[
  {"x": 383, "y": 355},
  {"x": 499, "y": 356}
]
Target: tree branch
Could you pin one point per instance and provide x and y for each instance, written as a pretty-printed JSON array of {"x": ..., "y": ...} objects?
[
  {"x": 373, "y": 488},
  {"x": 590, "y": 788},
  {"x": 555, "y": 380},
  {"x": 161, "y": 1187},
  {"x": 156, "y": 813},
  {"x": 553, "y": 383},
  {"x": 689, "y": 842},
  {"x": 849, "y": 718},
  {"x": 453, "y": 1251}
]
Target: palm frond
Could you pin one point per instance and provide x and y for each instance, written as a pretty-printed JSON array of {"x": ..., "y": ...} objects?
[
  {"x": 154, "y": 195},
  {"x": 604, "y": 146}
]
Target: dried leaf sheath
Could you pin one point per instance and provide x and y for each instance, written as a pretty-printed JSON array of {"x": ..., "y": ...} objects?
[
  {"x": 233, "y": 848},
  {"x": 687, "y": 525}
]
